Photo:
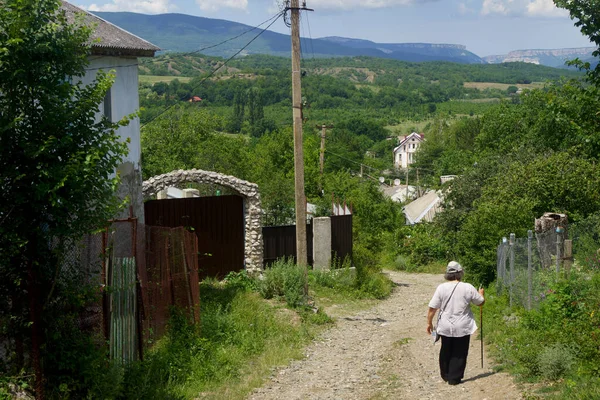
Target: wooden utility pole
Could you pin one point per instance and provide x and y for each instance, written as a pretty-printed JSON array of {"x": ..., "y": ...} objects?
[
  {"x": 407, "y": 182},
  {"x": 301, "y": 245},
  {"x": 418, "y": 187},
  {"x": 322, "y": 154}
]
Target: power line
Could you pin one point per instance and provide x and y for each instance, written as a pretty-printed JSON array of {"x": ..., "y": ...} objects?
[
  {"x": 214, "y": 70},
  {"x": 195, "y": 51}
]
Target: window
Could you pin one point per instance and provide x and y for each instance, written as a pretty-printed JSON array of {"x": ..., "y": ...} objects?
[{"x": 108, "y": 105}]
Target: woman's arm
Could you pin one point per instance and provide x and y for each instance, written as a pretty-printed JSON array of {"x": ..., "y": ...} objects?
[{"x": 430, "y": 315}]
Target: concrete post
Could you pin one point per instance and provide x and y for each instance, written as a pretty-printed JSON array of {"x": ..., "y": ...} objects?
[{"x": 322, "y": 242}]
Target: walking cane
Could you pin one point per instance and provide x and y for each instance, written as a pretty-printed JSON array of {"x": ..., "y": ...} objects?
[{"x": 481, "y": 330}]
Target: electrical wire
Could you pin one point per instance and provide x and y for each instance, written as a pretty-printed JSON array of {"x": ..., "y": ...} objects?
[
  {"x": 214, "y": 71},
  {"x": 195, "y": 51}
]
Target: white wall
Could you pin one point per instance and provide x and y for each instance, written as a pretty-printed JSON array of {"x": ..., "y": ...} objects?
[{"x": 124, "y": 101}]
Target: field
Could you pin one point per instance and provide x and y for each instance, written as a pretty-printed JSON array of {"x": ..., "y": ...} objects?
[
  {"x": 502, "y": 86},
  {"x": 155, "y": 78},
  {"x": 407, "y": 127}
]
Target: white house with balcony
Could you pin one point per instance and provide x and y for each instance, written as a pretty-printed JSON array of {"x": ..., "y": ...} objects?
[
  {"x": 115, "y": 49},
  {"x": 404, "y": 152}
]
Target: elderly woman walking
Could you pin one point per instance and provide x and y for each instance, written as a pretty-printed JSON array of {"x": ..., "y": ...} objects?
[{"x": 455, "y": 323}]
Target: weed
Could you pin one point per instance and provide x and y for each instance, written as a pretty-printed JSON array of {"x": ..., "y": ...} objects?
[
  {"x": 555, "y": 361},
  {"x": 284, "y": 279}
]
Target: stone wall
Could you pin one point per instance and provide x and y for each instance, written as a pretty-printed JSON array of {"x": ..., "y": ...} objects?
[{"x": 253, "y": 256}]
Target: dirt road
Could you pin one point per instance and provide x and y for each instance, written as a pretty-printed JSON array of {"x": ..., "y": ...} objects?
[{"x": 384, "y": 353}]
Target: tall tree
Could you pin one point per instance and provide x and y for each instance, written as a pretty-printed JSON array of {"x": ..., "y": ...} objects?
[
  {"x": 586, "y": 14},
  {"x": 57, "y": 163}
]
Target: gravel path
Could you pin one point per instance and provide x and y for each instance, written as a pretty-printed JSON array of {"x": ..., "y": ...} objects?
[{"x": 384, "y": 353}]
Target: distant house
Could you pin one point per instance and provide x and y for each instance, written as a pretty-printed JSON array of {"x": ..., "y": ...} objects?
[
  {"x": 195, "y": 99},
  {"x": 400, "y": 193},
  {"x": 404, "y": 152},
  {"x": 116, "y": 49}
]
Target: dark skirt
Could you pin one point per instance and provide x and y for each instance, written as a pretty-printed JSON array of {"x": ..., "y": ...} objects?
[{"x": 453, "y": 358}]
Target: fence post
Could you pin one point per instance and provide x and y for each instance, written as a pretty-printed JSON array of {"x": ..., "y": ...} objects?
[
  {"x": 558, "y": 252},
  {"x": 529, "y": 268},
  {"x": 503, "y": 262},
  {"x": 511, "y": 246},
  {"x": 568, "y": 256}
]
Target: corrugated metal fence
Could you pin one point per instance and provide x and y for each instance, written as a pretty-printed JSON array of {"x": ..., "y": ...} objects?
[
  {"x": 218, "y": 222},
  {"x": 280, "y": 241}
]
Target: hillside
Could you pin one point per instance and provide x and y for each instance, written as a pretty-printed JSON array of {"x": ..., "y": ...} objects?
[
  {"x": 549, "y": 57},
  {"x": 357, "y": 69},
  {"x": 186, "y": 33}
]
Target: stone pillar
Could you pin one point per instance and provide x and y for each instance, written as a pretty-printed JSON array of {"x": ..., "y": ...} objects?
[{"x": 322, "y": 242}]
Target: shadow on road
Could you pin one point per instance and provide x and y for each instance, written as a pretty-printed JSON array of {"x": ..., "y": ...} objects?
[{"x": 480, "y": 376}]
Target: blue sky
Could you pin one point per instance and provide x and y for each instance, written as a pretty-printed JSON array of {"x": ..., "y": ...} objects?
[{"x": 485, "y": 26}]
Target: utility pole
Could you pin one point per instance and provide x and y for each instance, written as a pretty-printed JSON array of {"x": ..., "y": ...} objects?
[
  {"x": 407, "y": 182},
  {"x": 322, "y": 155},
  {"x": 418, "y": 187},
  {"x": 301, "y": 246}
]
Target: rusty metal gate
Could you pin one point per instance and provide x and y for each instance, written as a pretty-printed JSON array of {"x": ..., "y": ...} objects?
[{"x": 218, "y": 222}]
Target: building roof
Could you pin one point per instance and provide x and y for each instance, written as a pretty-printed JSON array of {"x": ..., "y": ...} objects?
[
  {"x": 423, "y": 209},
  {"x": 109, "y": 39},
  {"x": 419, "y": 136}
]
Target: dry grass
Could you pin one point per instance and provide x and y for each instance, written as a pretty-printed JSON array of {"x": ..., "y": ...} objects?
[
  {"x": 502, "y": 86},
  {"x": 407, "y": 127},
  {"x": 155, "y": 79}
]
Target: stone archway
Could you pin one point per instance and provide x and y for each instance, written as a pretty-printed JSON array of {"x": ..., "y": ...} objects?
[{"x": 253, "y": 246}]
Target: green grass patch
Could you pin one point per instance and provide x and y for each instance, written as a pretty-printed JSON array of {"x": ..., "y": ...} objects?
[
  {"x": 240, "y": 339},
  {"x": 555, "y": 345},
  {"x": 408, "y": 126},
  {"x": 157, "y": 78}
]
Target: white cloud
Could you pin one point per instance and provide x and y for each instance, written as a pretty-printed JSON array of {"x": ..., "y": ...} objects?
[
  {"x": 141, "y": 6},
  {"x": 495, "y": 7},
  {"x": 463, "y": 8},
  {"x": 529, "y": 8},
  {"x": 545, "y": 8},
  {"x": 353, "y": 4},
  {"x": 214, "y": 5}
]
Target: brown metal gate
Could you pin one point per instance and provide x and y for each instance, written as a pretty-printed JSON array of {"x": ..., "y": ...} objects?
[
  {"x": 341, "y": 236},
  {"x": 218, "y": 223},
  {"x": 280, "y": 242}
]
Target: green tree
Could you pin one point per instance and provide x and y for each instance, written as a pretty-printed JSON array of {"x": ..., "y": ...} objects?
[
  {"x": 587, "y": 16},
  {"x": 57, "y": 164}
]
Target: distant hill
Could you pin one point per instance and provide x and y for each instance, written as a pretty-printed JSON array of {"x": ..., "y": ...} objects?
[
  {"x": 186, "y": 33},
  {"x": 550, "y": 57}
]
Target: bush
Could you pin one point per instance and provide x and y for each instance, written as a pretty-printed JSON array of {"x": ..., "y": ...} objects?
[
  {"x": 555, "y": 361},
  {"x": 285, "y": 279}
]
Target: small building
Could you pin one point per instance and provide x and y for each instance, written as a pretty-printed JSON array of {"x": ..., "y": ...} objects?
[
  {"x": 118, "y": 50},
  {"x": 423, "y": 209},
  {"x": 195, "y": 99},
  {"x": 404, "y": 152}
]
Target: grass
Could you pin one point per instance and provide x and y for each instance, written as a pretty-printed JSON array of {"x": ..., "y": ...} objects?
[
  {"x": 502, "y": 86},
  {"x": 408, "y": 126},
  {"x": 156, "y": 78},
  {"x": 243, "y": 336},
  {"x": 554, "y": 346}
]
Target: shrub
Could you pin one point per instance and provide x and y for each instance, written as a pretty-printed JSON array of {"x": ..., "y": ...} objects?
[
  {"x": 284, "y": 279},
  {"x": 555, "y": 361},
  {"x": 241, "y": 280}
]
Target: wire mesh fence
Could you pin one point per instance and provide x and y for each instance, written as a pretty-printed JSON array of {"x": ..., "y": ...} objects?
[{"x": 526, "y": 266}]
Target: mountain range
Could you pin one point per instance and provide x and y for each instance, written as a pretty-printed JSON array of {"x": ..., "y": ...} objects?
[
  {"x": 551, "y": 58},
  {"x": 187, "y": 33}
]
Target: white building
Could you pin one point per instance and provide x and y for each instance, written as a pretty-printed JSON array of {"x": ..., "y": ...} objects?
[
  {"x": 116, "y": 49},
  {"x": 404, "y": 152}
]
